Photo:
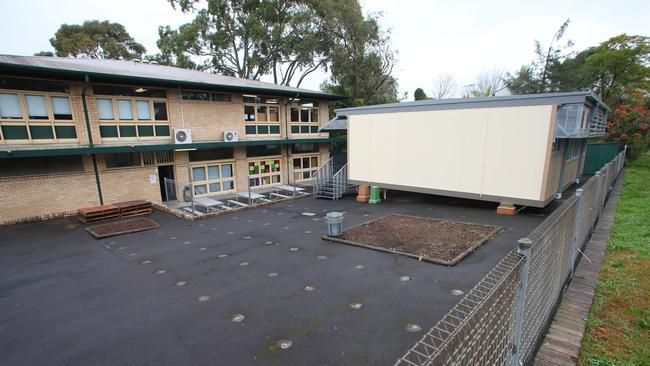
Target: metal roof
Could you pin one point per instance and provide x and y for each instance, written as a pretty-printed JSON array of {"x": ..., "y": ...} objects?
[
  {"x": 482, "y": 102},
  {"x": 146, "y": 72},
  {"x": 338, "y": 123}
]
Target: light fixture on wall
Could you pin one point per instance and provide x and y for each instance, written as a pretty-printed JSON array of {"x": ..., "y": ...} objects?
[{"x": 140, "y": 90}]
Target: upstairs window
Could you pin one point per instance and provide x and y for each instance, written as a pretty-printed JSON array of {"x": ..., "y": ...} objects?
[
  {"x": 131, "y": 112},
  {"x": 261, "y": 115},
  {"x": 35, "y": 111},
  {"x": 304, "y": 116}
]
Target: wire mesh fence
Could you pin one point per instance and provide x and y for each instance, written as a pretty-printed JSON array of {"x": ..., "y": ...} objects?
[{"x": 503, "y": 319}]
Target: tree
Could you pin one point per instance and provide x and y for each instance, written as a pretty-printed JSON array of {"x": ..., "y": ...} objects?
[
  {"x": 541, "y": 75},
  {"x": 488, "y": 83},
  {"x": 247, "y": 39},
  {"x": 361, "y": 60},
  {"x": 419, "y": 94},
  {"x": 611, "y": 69},
  {"x": 444, "y": 86},
  {"x": 96, "y": 39},
  {"x": 44, "y": 53},
  {"x": 629, "y": 122}
]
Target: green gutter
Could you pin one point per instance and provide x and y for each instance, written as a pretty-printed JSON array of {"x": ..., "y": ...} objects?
[
  {"x": 90, "y": 139},
  {"x": 75, "y": 74},
  {"x": 102, "y": 149}
]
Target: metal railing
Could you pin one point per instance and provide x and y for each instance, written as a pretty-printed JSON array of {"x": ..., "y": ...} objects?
[
  {"x": 324, "y": 175},
  {"x": 340, "y": 182},
  {"x": 503, "y": 319}
]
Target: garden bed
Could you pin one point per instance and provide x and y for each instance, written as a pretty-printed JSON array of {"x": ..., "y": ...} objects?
[{"x": 437, "y": 241}]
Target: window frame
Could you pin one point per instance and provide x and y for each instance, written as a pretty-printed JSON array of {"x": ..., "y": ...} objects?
[
  {"x": 260, "y": 176},
  {"x": 207, "y": 181},
  {"x": 117, "y": 122},
  {"x": 296, "y": 127},
  {"x": 262, "y": 101},
  {"x": 50, "y": 121},
  {"x": 302, "y": 169}
]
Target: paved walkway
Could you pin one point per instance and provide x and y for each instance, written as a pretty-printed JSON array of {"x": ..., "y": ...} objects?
[{"x": 561, "y": 345}]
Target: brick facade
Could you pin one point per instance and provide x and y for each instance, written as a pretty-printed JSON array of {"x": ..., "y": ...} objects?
[{"x": 43, "y": 196}]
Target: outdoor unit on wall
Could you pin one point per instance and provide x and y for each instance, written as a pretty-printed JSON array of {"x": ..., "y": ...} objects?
[
  {"x": 230, "y": 136},
  {"x": 182, "y": 136}
]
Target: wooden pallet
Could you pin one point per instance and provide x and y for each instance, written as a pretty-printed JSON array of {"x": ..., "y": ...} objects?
[
  {"x": 98, "y": 213},
  {"x": 134, "y": 208}
]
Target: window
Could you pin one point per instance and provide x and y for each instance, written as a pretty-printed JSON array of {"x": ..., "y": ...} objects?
[
  {"x": 47, "y": 86},
  {"x": 220, "y": 97},
  {"x": 33, "y": 116},
  {"x": 264, "y": 172},
  {"x": 132, "y": 118},
  {"x": 41, "y": 166},
  {"x": 161, "y": 157},
  {"x": 212, "y": 178},
  {"x": 129, "y": 91},
  {"x": 211, "y": 154},
  {"x": 122, "y": 160},
  {"x": 304, "y": 167},
  {"x": 573, "y": 149},
  {"x": 205, "y": 96},
  {"x": 304, "y": 148},
  {"x": 262, "y": 150},
  {"x": 262, "y": 115},
  {"x": 304, "y": 117}
]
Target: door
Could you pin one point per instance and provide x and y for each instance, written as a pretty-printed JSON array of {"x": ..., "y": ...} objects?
[{"x": 166, "y": 172}]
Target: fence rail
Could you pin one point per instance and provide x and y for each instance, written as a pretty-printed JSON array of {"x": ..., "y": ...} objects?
[{"x": 502, "y": 320}]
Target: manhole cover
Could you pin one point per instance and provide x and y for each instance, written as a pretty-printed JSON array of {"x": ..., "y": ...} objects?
[
  {"x": 356, "y": 305},
  {"x": 456, "y": 292},
  {"x": 284, "y": 343},
  {"x": 238, "y": 318},
  {"x": 404, "y": 278},
  {"x": 413, "y": 328}
]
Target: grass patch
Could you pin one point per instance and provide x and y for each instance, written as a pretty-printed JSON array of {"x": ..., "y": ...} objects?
[{"x": 618, "y": 328}]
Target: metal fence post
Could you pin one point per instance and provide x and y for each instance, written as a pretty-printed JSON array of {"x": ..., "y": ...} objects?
[
  {"x": 577, "y": 228},
  {"x": 524, "y": 248}
]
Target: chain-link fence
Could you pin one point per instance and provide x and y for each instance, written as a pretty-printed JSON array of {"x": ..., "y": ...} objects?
[{"x": 502, "y": 320}]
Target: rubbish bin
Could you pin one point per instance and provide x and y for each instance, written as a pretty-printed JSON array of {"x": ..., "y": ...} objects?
[
  {"x": 334, "y": 223},
  {"x": 374, "y": 195}
]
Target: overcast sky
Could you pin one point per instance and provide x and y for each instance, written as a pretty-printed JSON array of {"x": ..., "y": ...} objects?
[{"x": 432, "y": 37}]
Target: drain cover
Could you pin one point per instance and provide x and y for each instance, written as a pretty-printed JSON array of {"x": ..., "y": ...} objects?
[
  {"x": 284, "y": 343},
  {"x": 413, "y": 328},
  {"x": 356, "y": 305},
  {"x": 238, "y": 318},
  {"x": 456, "y": 292}
]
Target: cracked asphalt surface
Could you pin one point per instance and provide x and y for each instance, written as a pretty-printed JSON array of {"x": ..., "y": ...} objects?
[{"x": 167, "y": 296}]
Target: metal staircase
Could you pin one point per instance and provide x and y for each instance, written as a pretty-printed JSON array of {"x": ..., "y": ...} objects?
[{"x": 331, "y": 180}]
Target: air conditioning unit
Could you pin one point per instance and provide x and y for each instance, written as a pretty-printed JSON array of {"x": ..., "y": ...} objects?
[
  {"x": 182, "y": 136},
  {"x": 230, "y": 136}
]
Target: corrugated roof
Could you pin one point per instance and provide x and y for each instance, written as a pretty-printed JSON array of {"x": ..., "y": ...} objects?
[
  {"x": 483, "y": 102},
  {"x": 153, "y": 72}
]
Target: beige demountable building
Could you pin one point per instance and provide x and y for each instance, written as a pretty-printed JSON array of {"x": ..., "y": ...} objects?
[{"x": 523, "y": 149}]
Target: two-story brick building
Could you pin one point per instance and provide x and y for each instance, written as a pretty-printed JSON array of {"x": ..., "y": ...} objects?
[{"x": 83, "y": 132}]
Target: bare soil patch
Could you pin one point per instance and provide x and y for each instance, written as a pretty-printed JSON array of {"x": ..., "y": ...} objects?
[
  {"x": 121, "y": 227},
  {"x": 438, "y": 241}
]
